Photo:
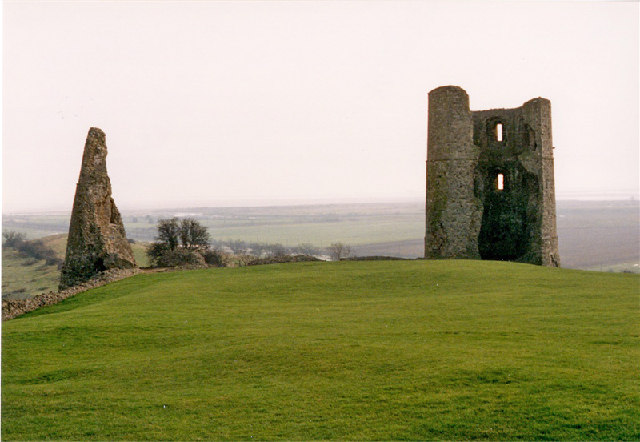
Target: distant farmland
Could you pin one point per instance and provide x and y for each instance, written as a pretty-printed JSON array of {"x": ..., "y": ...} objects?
[{"x": 593, "y": 235}]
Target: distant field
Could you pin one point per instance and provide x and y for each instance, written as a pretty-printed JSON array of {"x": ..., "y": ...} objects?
[
  {"x": 320, "y": 225},
  {"x": 600, "y": 235},
  {"x": 37, "y": 225},
  {"x": 457, "y": 350},
  {"x": 594, "y": 235}
]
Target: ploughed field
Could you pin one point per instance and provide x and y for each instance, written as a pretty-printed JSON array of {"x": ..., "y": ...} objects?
[{"x": 343, "y": 350}]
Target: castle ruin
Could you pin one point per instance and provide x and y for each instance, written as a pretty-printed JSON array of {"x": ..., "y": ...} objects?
[
  {"x": 490, "y": 186},
  {"x": 97, "y": 240}
]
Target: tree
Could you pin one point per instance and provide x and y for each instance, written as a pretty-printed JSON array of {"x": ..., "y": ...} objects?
[
  {"x": 306, "y": 248},
  {"x": 338, "y": 250},
  {"x": 193, "y": 235},
  {"x": 276, "y": 249},
  {"x": 169, "y": 233},
  {"x": 178, "y": 242}
]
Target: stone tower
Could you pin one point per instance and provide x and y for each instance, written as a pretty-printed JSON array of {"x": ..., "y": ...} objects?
[
  {"x": 97, "y": 240},
  {"x": 490, "y": 188}
]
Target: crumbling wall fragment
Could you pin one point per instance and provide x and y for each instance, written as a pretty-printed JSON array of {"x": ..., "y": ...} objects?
[
  {"x": 97, "y": 240},
  {"x": 490, "y": 188}
]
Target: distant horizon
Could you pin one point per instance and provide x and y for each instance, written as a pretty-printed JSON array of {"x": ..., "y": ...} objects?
[{"x": 265, "y": 203}]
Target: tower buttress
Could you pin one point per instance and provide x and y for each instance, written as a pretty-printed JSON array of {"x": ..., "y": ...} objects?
[{"x": 452, "y": 211}]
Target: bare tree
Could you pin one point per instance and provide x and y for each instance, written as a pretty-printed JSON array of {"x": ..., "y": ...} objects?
[
  {"x": 307, "y": 249},
  {"x": 338, "y": 250},
  {"x": 276, "y": 249}
]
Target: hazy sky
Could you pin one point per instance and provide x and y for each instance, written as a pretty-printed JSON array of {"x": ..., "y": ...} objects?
[{"x": 214, "y": 103}]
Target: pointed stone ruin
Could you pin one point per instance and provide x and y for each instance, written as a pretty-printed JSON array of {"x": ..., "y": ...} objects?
[{"x": 97, "y": 240}]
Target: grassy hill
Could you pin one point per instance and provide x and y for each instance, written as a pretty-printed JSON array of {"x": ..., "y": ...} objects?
[
  {"x": 346, "y": 350},
  {"x": 59, "y": 244},
  {"x": 24, "y": 277}
]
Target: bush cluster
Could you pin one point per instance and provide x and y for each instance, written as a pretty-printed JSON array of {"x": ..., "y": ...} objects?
[
  {"x": 181, "y": 242},
  {"x": 34, "y": 248},
  {"x": 180, "y": 257},
  {"x": 185, "y": 242}
]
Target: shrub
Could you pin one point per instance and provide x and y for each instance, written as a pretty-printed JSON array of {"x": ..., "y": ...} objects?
[
  {"x": 181, "y": 257},
  {"x": 13, "y": 239},
  {"x": 338, "y": 251},
  {"x": 155, "y": 250},
  {"x": 38, "y": 250},
  {"x": 179, "y": 242},
  {"x": 214, "y": 258},
  {"x": 35, "y": 249}
]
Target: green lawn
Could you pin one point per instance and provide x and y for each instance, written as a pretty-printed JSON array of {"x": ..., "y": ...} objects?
[{"x": 346, "y": 350}]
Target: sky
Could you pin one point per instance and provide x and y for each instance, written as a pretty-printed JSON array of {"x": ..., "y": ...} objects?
[{"x": 213, "y": 103}]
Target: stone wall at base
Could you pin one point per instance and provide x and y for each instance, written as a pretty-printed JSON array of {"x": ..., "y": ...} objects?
[{"x": 12, "y": 308}]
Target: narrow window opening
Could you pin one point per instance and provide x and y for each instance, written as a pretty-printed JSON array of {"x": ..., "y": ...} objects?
[
  {"x": 499, "y": 131},
  {"x": 500, "y": 181}
]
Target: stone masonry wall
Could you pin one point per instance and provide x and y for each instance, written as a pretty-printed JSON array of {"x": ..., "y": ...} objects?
[
  {"x": 97, "y": 239},
  {"x": 453, "y": 211},
  {"x": 467, "y": 214},
  {"x": 12, "y": 308}
]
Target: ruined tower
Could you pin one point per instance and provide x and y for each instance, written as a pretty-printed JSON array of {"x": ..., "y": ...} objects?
[
  {"x": 97, "y": 240},
  {"x": 490, "y": 188}
]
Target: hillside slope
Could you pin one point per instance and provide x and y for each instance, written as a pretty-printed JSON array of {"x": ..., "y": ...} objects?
[
  {"x": 348, "y": 350},
  {"x": 25, "y": 277}
]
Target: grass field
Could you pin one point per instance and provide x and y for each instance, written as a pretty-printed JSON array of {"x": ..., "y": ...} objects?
[{"x": 345, "y": 350}]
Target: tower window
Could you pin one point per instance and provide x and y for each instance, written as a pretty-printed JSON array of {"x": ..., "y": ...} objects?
[
  {"x": 500, "y": 185},
  {"x": 499, "y": 131}
]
